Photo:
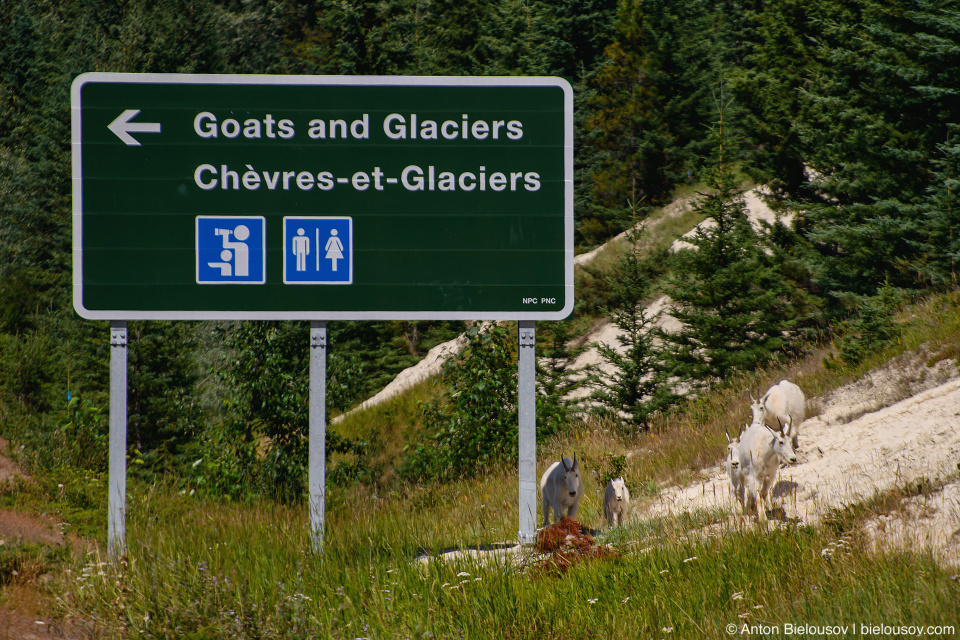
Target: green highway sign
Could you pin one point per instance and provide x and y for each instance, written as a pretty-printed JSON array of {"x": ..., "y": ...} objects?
[{"x": 322, "y": 197}]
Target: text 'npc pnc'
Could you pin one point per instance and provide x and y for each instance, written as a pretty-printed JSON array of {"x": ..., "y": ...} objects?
[{"x": 257, "y": 197}]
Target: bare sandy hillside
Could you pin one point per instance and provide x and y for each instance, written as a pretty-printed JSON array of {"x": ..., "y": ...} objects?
[
  {"x": 757, "y": 210},
  {"x": 672, "y": 210},
  {"x": 658, "y": 310},
  {"x": 431, "y": 365},
  {"x": 897, "y": 427}
]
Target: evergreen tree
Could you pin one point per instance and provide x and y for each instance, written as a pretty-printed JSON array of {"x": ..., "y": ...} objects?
[
  {"x": 575, "y": 34},
  {"x": 636, "y": 386},
  {"x": 653, "y": 98},
  {"x": 871, "y": 328},
  {"x": 777, "y": 61},
  {"x": 941, "y": 218},
  {"x": 555, "y": 381},
  {"x": 881, "y": 100},
  {"x": 46, "y": 45},
  {"x": 162, "y": 410},
  {"x": 728, "y": 291},
  {"x": 267, "y": 409}
]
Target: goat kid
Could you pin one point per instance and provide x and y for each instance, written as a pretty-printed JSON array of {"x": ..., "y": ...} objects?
[{"x": 616, "y": 502}]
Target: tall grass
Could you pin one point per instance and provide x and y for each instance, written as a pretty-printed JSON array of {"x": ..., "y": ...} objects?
[
  {"x": 247, "y": 572},
  {"x": 210, "y": 570}
]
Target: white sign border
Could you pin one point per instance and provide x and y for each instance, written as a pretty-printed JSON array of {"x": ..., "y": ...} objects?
[{"x": 305, "y": 80}]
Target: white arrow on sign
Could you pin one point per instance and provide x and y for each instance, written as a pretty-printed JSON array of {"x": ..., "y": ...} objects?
[{"x": 122, "y": 127}]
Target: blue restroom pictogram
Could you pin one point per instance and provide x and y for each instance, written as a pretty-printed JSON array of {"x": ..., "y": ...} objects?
[{"x": 317, "y": 250}]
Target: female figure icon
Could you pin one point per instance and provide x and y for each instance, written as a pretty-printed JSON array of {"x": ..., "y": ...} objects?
[{"x": 334, "y": 248}]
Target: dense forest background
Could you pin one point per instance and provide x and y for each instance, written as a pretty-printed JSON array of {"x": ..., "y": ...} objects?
[{"x": 847, "y": 109}]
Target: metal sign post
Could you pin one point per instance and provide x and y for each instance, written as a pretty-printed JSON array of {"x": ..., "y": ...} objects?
[
  {"x": 316, "y": 481},
  {"x": 117, "y": 474},
  {"x": 527, "y": 400}
]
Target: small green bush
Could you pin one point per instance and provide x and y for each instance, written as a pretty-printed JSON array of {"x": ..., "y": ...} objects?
[{"x": 475, "y": 421}]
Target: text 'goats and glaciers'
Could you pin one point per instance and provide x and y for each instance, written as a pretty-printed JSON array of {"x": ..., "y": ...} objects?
[{"x": 395, "y": 127}]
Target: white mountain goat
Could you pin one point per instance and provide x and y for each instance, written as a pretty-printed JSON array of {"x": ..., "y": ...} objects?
[
  {"x": 734, "y": 472},
  {"x": 616, "y": 502},
  {"x": 761, "y": 452},
  {"x": 561, "y": 488},
  {"x": 783, "y": 403}
]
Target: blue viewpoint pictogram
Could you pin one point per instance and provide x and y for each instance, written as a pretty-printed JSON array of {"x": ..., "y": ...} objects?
[
  {"x": 231, "y": 250},
  {"x": 317, "y": 250}
]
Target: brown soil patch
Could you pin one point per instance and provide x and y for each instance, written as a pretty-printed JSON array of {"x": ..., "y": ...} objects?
[
  {"x": 9, "y": 470},
  {"x": 566, "y": 543},
  {"x": 22, "y": 617},
  {"x": 16, "y": 527},
  {"x": 24, "y": 602}
]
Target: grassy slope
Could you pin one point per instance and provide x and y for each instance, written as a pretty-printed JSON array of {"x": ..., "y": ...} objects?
[{"x": 199, "y": 569}]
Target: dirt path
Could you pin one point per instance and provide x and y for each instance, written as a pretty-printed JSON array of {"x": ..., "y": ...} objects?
[
  {"x": 868, "y": 438},
  {"x": 24, "y": 608},
  {"x": 16, "y": 527}
]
